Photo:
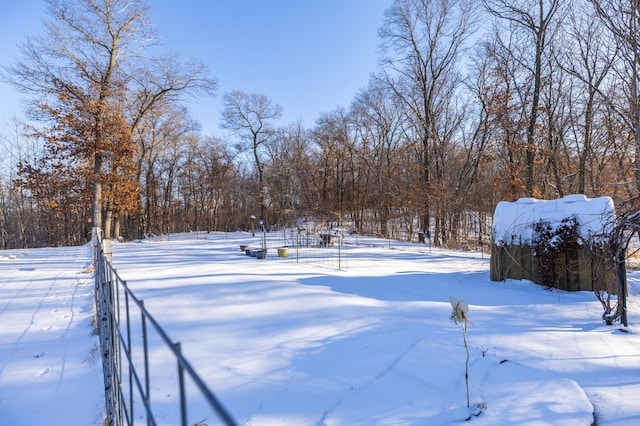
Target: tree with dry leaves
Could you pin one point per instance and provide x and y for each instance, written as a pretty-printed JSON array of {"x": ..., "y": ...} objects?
[
  {"x": 536, "y": 21},
  {"x": 89, "y": 58}
]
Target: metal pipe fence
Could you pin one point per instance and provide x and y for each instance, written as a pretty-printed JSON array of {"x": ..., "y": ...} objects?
[{"x": 122, "y": 321}]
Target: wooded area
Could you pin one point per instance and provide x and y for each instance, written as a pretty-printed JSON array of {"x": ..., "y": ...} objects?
[{"x": 473, "y": 103}]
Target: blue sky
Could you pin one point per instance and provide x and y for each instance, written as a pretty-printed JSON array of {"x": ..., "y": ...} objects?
[{"x": 309, "y": 56}]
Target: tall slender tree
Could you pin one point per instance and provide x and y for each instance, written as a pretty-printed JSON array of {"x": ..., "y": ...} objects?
[
  {"x": 588, "y": 55},
  {"x": 252, "y": 117},
  {"x": 422, "y": 42},
  {"x": 622, "y": 19},
  {"x": 536, "y": 19}
]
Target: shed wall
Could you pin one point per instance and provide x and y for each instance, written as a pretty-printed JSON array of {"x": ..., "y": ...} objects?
[{"x": 575, "y": 269}]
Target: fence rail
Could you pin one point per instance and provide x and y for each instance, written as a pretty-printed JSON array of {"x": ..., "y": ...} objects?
[{"x": 128, "y": 387}]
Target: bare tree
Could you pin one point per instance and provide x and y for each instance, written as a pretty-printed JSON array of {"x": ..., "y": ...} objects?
[
  {"x": 156, "y": 134},
  {"x": 381, "y": 185},
  {"x": 588, "y": 55},
  {"x": 334, "y": 164},
  {"x": 251, "y": 117},
  {"x": 289, "y": 173},
  {"x": 19, "y": 217},
  {"x": 610, "y": 250},
  {"x": 422, "y": 42},
  {"x": 622, "y": 19},
  {"x": 536, "y": 20}
]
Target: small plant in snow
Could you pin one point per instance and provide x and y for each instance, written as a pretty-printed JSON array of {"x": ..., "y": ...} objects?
[{"x": 459, "y": 315}]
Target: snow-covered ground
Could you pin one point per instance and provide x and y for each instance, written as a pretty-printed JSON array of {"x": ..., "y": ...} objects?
[
  {"x": 50, "y": 373},
  {"x": 282, "y": 343}
]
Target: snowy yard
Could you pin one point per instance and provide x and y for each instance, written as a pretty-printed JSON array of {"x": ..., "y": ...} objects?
[
  {"x": 282, "y": 343},
  {"x": 48, "y": 372}
]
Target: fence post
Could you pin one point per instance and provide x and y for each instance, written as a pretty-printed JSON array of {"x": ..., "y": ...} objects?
[
  {"x": 183, "y": 401},
  {"x": 147, "y": 384},
  {"x": 623, "y": 284},
  {"x": 127, "y": 314},
  {"x": 104, "y": 327},
  {"x": 107, "y": 250},
  {"x": 339, "y": 252}
]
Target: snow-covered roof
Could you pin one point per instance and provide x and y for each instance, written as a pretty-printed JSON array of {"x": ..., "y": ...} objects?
[{"x": 515, "y": 220}]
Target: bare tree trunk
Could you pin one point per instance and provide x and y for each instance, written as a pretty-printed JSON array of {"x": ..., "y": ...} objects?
[
  {"x": 423, "y": 42},
  {"x": 97, "y": 191},
  {"x": 538, "y": 26}
]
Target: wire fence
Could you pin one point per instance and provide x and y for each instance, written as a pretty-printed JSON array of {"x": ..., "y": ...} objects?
[
  {"x": 127, "y": 332},
  {"x": 321, "y": 247}
]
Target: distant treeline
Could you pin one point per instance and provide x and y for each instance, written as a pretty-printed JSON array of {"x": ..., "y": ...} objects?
[{"x": 473, "y": 103}]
